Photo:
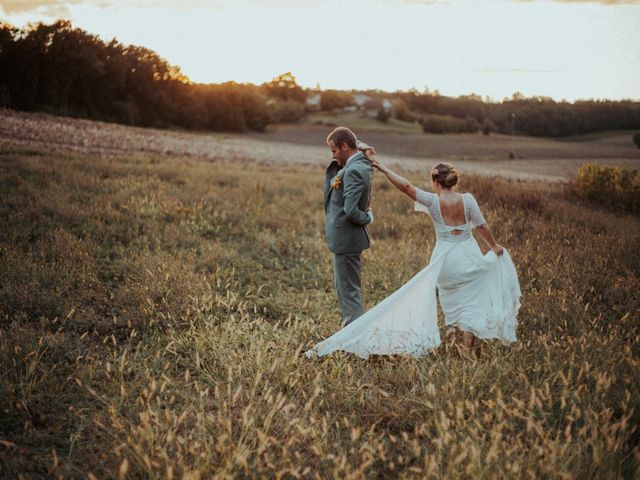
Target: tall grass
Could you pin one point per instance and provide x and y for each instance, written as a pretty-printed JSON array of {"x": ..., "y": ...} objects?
[{"x": 154, "y": 312}]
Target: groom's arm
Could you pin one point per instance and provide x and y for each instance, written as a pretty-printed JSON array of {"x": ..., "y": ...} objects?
[{"x": 355, "y": 185}]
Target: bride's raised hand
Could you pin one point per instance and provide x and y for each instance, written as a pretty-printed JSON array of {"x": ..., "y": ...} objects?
[
  {"x": 375, "y": 163},
  {"x": 368, "y": 150}
]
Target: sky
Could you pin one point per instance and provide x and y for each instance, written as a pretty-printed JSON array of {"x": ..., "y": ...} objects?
[{"x": 564, "y": 49}]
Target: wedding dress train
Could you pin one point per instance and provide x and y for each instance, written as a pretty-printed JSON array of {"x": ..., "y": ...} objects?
[{"x": 478, "y": 293}]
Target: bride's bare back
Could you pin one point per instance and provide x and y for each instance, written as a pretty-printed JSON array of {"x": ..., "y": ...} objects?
[{"x": 452, "y": 211}]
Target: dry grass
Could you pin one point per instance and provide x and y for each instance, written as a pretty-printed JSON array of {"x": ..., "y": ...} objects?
[{"x": 154, "y": 311}]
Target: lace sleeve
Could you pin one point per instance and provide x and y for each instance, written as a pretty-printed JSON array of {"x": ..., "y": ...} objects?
[
  {"x": 474, "y": 215},
  {"x": 425, "y": 202},
  {"x": 424, "y": 198}
]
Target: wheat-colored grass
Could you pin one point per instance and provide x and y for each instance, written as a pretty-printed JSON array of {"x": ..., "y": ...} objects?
[{"x": 154, "y": 312}]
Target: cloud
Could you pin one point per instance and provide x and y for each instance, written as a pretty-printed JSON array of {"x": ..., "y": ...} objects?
[
  {"x": 602, "y": 2},
  {"x": 57, "y": 8},
  {"x": 61, "y": 7},
  {"x": 49, "y": 7},
  {"x": 520, "y": 70}
]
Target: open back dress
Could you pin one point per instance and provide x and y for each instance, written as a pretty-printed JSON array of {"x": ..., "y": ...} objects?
[{"x": 478, "y": 294}]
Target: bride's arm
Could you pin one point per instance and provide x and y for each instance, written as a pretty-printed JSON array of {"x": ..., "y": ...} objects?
[
  {"x": 485, "y": 234},
  {"x": 401, "y": 183}
]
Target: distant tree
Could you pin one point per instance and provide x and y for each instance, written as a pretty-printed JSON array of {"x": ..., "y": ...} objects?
[
  {"x": 285, "y": 87},
  {"x": 402, "y": 112},
  {"x": 62, "y": 70},
  {"x": 488, "y": 127},
  {"x": 5, "y": 99},
  {"x": 471, "y": 125},
  {"x": 449, "y": 124},
  {"x": 335, "y": 99},
  {"x": 636, "y": 139}
]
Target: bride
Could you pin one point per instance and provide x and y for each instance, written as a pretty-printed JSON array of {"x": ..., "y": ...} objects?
[{"x": 479, "y": 294}]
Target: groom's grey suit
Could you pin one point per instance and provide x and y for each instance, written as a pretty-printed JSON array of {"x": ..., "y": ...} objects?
[{"x": 346, "y": 228}]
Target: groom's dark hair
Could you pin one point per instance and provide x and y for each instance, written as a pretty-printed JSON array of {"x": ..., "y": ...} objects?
[{"x": 342, "y": 135}]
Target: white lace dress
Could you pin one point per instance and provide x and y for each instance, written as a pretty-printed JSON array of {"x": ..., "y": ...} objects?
[{"x": 478, "y": 293}]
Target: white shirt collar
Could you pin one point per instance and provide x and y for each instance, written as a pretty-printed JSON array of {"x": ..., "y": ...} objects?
[{"x": 351, "y": 158}]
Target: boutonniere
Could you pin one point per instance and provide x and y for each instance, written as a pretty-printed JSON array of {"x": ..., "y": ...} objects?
[{"x": 336, "y": 183}]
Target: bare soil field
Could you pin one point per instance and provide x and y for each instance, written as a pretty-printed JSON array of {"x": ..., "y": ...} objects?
[{"x": 535, "y": 158}]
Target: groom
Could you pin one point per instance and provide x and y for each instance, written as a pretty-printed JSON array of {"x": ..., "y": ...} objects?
[{"x": 347, "y": 192}]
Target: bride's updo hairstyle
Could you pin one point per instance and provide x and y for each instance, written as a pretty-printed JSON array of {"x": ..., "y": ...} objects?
[{"x": 445, "y": 174}]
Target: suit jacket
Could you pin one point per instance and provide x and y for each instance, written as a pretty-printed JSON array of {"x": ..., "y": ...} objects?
[{"x": 346, "y": 206}]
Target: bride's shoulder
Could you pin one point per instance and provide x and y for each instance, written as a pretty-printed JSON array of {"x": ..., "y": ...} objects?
[
  {"x": 424, "y": 193},
  {"x": 468, "y": 196},
  {"x": 470, "y": 201},
  {"x": 424, "y": 197}
]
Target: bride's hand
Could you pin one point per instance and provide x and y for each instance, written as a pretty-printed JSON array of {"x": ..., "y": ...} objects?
[
  {"x": 366, "y": 149},
  {"x": 375, "y": 163},
  {"x": 498, "y": 250}
]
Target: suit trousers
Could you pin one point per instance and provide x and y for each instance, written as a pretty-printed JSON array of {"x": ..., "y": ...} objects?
[{"x": 346, "y": 280}]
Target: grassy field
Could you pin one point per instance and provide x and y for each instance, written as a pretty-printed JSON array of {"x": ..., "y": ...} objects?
[{"x": 154, "y": 311}]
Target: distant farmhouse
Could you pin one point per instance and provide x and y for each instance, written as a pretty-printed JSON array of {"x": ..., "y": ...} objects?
[
  {"x": 313, "y": 101},
  {"x": 365, "y": 104},
  {"x": 373, "y": 106}
]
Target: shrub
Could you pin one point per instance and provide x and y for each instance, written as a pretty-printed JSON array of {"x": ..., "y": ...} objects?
[
  {"x": 5, "y": 98},
  {"x": 613, "y": 186},
  {"x": 334, "y": 100},
  {"x": 402, "y": 112},
  {"x": 488, "y": 127},
  {"x": 449, "y": 124},
  {"x": 383, "y": 115},
  {"x": 288, "y": 111},
  {"x": 636, "y": 139}
]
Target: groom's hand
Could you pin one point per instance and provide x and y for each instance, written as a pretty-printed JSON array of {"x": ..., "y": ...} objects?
[{"x": 370, "y": 213}]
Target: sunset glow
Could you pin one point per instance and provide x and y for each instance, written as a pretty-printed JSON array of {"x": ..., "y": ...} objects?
[{"x": 565, "y": 50}]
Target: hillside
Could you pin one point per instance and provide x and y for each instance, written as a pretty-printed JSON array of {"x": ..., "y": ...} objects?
[{"x": 305, "y": 144}]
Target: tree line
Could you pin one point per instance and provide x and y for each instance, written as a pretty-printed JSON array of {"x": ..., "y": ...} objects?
[
  {"x": 66, "y": 71},
  {"x": 537, "y": 116}
]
